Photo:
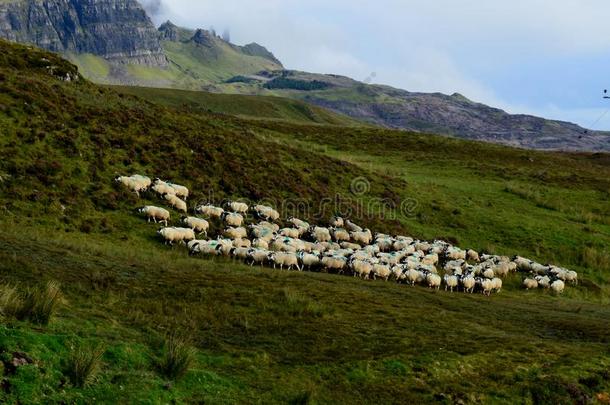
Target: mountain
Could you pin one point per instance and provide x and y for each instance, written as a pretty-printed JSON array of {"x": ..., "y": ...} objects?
[
  {"x": 115, "y": 42},
  {"x": 117, "y": 30}
]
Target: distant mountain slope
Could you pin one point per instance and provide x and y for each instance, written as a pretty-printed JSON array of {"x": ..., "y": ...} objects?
[
  {"x": 114, "y": 42},
  {"x": 428, "y": 112}
]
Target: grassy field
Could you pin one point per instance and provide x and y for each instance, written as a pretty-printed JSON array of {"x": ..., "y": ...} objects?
[
  {"x": 265, "y": 336},
  {"x": 251, "y": 107}
]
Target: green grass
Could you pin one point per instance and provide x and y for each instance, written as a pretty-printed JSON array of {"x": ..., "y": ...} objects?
[
  {"x": 93, "y": 67},
  {"x": 265, "y": 336},
  {"x": 253, "y": 107}
]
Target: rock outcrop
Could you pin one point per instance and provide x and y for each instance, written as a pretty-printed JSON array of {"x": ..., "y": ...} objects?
[{"x": 118, "y": 30}]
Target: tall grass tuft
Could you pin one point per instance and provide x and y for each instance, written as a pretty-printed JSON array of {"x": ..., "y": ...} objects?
[
  {"x": 297, "y": 304},
  {"x": 10, "y": 301},
  {"x": 41, "y": 303},
  {"x": 595, "y": 259},
  {"x": 178, "y": 357},
  {"x": 83, "y": 365}
]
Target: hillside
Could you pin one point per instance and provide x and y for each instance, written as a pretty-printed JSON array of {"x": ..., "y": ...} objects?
[
  {"x": 271, "y": 336},
  {"x": 253, "y": 107},
  {"x": 115, "y": 42}
]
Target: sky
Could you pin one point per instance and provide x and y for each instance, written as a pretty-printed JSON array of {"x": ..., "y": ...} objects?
[{"x": 544, "y": 57}]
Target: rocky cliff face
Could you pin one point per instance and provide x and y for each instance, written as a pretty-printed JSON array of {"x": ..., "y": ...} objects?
[{"x": 118, "y": 30}]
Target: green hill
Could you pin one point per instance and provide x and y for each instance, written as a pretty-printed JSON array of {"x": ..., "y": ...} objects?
[
  {"x": 284, "y": 337},
  {"x": 258, "y": 107}
]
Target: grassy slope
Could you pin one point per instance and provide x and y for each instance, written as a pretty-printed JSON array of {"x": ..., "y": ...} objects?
[
  {"x": 242, "y": 106},
  {"x": 265, "y": 336}
]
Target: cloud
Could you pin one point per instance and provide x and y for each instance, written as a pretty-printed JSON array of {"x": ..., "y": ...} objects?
[{"x": 152, "y": 7}]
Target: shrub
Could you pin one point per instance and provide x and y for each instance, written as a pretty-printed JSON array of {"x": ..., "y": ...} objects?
[
  {"x": 41, "y": 303},
  {"x": 177, "y": 359},
  {"x": 83, "y": 364}
]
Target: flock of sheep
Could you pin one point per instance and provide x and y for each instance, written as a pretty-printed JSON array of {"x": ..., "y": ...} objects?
[{"x": 343, "y": 247}]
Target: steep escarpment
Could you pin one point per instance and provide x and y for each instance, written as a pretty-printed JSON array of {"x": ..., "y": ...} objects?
[{"x": 117, "y": 30}]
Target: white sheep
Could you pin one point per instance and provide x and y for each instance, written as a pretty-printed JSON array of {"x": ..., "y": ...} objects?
[
  {"x": 384, "y": 242},
  {"x": 473, "y": 255},
  {"x": 468, "y": 283},
  {"x": 298, "y": 223},
  {"x": 225, "y": 246},
  {"x": 558, "y": 286},
  {"x": 266, "y": 213},
  {"x": 349, "y": 245},
  {"x": 135, "y": 183},
  {"x": 336, "y": 263},
  {"x": 232, "y": 219},
  {"x": 423, "y": 246},
  {"x": 172, "y": 235},
  {"x": 430, "y": 259},
  {"x": 543, "y": 281},
  {"x": 361, "y": 268},
  {"x": 337, "y": 222},
  {"x": 180, "y": 191},
  {"x": 242, "y": 243},
  {"x": 382, "y": 271},
  {"x": 454, "y": 253},
  {"x": 523, "y": 264},
  {"x": 362, "y": 237},
  {"x": 260, "y": 244},
  {"x": 433, "y": 280},
  {"x": 451, "y": 282},
  {"x": 572, "y": 277},
  {"x": 163, "y": 189},
  {"x": 210, "y": 211},
  {"x": 176, "y": 202},
  {"x": 156, "y": 214},
  {"x": 237, "y": 207},
  {"x": 235, "y": 233},
  {"x": 413, "y": 276},
  {"x": 487, "y": 286},
  {"x": 530, "y": 284},
  {"x": 284, "y": 259},
  {"x": 258, "y": 256},
  {"x": 240, "y": 253},
  {"x": 340, "y": 235},
  {"x": 489, "y": 273},
  {"x": 290, "y": 232},
  {"x": 502, "y": 269},
  {"x": 199, "y": 225},
  {"x": 497, "y": 284},
  {"x": 309, "y": 260},
  {"x": 352, "y": 227},
  {"x": 320, "y": 234}
]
